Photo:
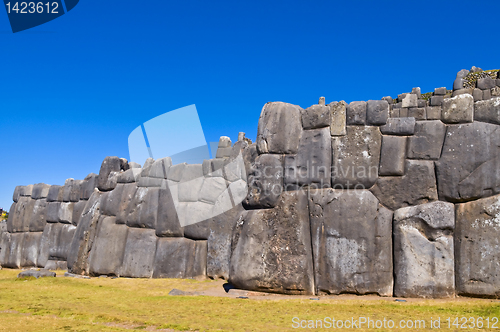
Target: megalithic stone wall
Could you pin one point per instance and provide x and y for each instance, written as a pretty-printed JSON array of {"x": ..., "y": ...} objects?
[{"x": 396, "y": 197}]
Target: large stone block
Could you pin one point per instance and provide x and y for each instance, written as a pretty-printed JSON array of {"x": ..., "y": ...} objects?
[
  {"x": 191, "y": 183},
  {"x": 218, "y": 230},
  {"x": 356, "y": 158},
  {"x": 29, "y": 252},
  {"x": 176, "y": 172},
  {"x": 53, "y": 211},
  {"x": 27, "y": 190},
  {"x": 106, "y": 257},
  {"x": 487, "y": 111},
  {"x": 377, "y": 112},
  {"x": 140, "y": 248},
  {"x": 417, "y": 186},
  {"x": 433, "y": 113},
  {"x": 12, "y": 250},
  {"x": 17, "y": 193},
  {"x": 72, "y": 190},
  {"x": 356, "y": 113},
  {"x": 477, "y": 239},
  {"x": 352, "y": 242},
  {"x": 486, "y": 83},
  {"x": 39, "y": 216},
  {"x": 64, "y": 235},
  {"x": 128, "y": 195},
  {"x": 272, "y": 249},
  {"x": 180, "y": 258},
  {"x": 160, "y": 168},
  {"x": 316, "y": 116},
  {"x": 469, "y": 167},
  {"x": 423, "y": 251},
  {"x": 88, "y": 186},
  {"x": 459, "y": 109},
  {"x": 78, "y": 209},
  {"x": 211, "y": 189},
  {"x": 110, "y": 201},
  {"x": 399, "y": 126},
  {"x": 339, "y": 121},
  {"x": 427, "y": 141},
  {"x": 40, "y": 190},
  {"x": 392, "y": 156},
  {"x": 53, "y": 195},
  {"x": 312, "y": 164},
  {"x": 104, "y": 180},
  {"x": 48, "y": 242},
  {"x": 279, "y": 128},
  {"x": 129, "y": 176},
  {"x": 83, "y": 239},
  {"x": 265, "y": 182},
  {"x": 410, "y": 100},
  {"x": 143, "y": 210},
  {"x": 65, "y": 214},
  {"x": 167, "y": 224},
  {"x": 19, "y": 219}
]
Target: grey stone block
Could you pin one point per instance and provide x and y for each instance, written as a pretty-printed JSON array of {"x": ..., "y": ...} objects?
[
  {"x": 30, "y": 247},
  {"x": 436, "y": 100},
  {"x": 462, "y": 92},
  {"x": 134, "y": 165},
  {"x": 40, "y": 190},
  {"x": 48, "y": 241},
  {"x": 393, "y": 113},
  {"x": 160, "y": 168},
  {"x": 53, "y": 195},
  {"x": 88, "y": 185},
  {"x": 421, "y": 103},
  {"x": 72, "y": 190},
  {"x": 321, "y": 101},
  {"x": 37, "y": 274},
  {"x": 223, "y": 152},
  {"x": 416, "y": 91},
  {"x": 175, "y": 172},
  {"x": 487, "y": 94},
  {"x": 59, "y": 244},
  {"x": 224, "y": 142},
  {"x": 211, "y": 189},
  {"x": 167, "y": 224},
  {"x": 398, "y": 105},
  {"x": 352, "y": 242},
  {"x": 53, "y": 212},
  {"x": 83, "y": 239},
  {"x": 279, "y": 128},
  {"x": 410, "y": 100},
  {"x": 469, "y": 167},
  {"x": 433, "y": 113},
  {"x": 377, "y": 112},
  {"x": 78, "y": 209},
  {"x": 403, "y": 112},
  {"x": 129, "y": 176},
  {"x": 140, "y": 248},
  {"x": 271, "y": 256},
  {"x": 17, "y": 193},
  {"x": 439, "y": 91},
  {"x": 487, "y": 111},
  {"x": 12, "y": 250},
  {"x": 399, "y": 126},
  {"x": 388, "y": 99},
  {"x": 402, "y": 96},
  {"x": 19, "y": 219},
  {"x": 109, "y": 247},
  {"x": 265, "y": 182},
  {"x": 214, "y": 167},
  {"x": 148, "y": 182},
  {"x": 109, "y": 165},
  {"x": 338, "y": 114},
  {"x": 417, "y": 113},
  {"x": 392, "y": 156},
  {"x": 180, "y": 258},
  {"x": 459, "y": 109},
  {"x": 39, "y": 216},
  {"x": 356, "y": 158},
  {"x": 316, "y": 116},
  {"x": 190, "y": 184},
  {"x": 143, "y": 210},
  {"x": 27, "y": 190},
  {"x": 65, "y": 214},
  {"x": 423, "y": 251},
  {"x": 477, "y": 237},
  {"x": 486, "y": 83},
  {"x": 110, "y": 201},
  {"x": 356, "y": 113},
  {"x": 54, "y": 265},
  {"x": 477, "y": 94},
  {"x": 417, "y": 186},
  {"x": 127, "y": 196},
  {"x": 427, "y": 141},
  {"x": 312, "y": 164}
]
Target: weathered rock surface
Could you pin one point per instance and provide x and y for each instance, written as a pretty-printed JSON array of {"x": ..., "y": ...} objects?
[
  {"x": 139, "y": 253},
  {"x": 180, "y": 258},
  {"x": 37, "y": 274},
  {"x": 377, "y": 112},
  {"x": 423, "y": 251},
  {"x": 392, "y": 155},
  {"x": 167, "y": 224},
  {"x": 356, "y": 158},
  {"x": 469, "y": 166},
  {"x": 279, "y": 128},
  {"x": 399, "y": 126},
  {"x": 352, "y": 242},
  {"x": 316, "y": 116},
  {"x": 427, "y": 141},
  {"x": 109, "y": 165},
  {"x": 265, "y": 182},
  {"x": 272, "y": 250},
  {"x": 477, "y": 239},
  {"x": 143, "y": 209},
  {"x": 40, "y": 190},
  {"x": 417, "y": 186},
  {"x": 356, "y": 113},
  {"x": 29, "y": 252},
  {"x": 311, "y": 166},
  {"x": 38, "y": 217},
  {"x": 338, "y": 113},
  {"x": 459, "y": 109},
  {"x": 487, "y": 111}
]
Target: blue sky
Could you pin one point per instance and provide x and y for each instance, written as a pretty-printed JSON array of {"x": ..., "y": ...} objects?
[{"x": 72, "y": 90}]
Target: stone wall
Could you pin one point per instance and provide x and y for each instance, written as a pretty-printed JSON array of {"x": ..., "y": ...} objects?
[{"x": 396, "y": 197}]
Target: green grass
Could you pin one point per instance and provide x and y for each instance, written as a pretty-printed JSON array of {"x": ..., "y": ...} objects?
[{"x": 67, "y": 304}]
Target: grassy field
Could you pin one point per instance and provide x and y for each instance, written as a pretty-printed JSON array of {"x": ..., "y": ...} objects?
[{"x": 104, "y": 304}]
